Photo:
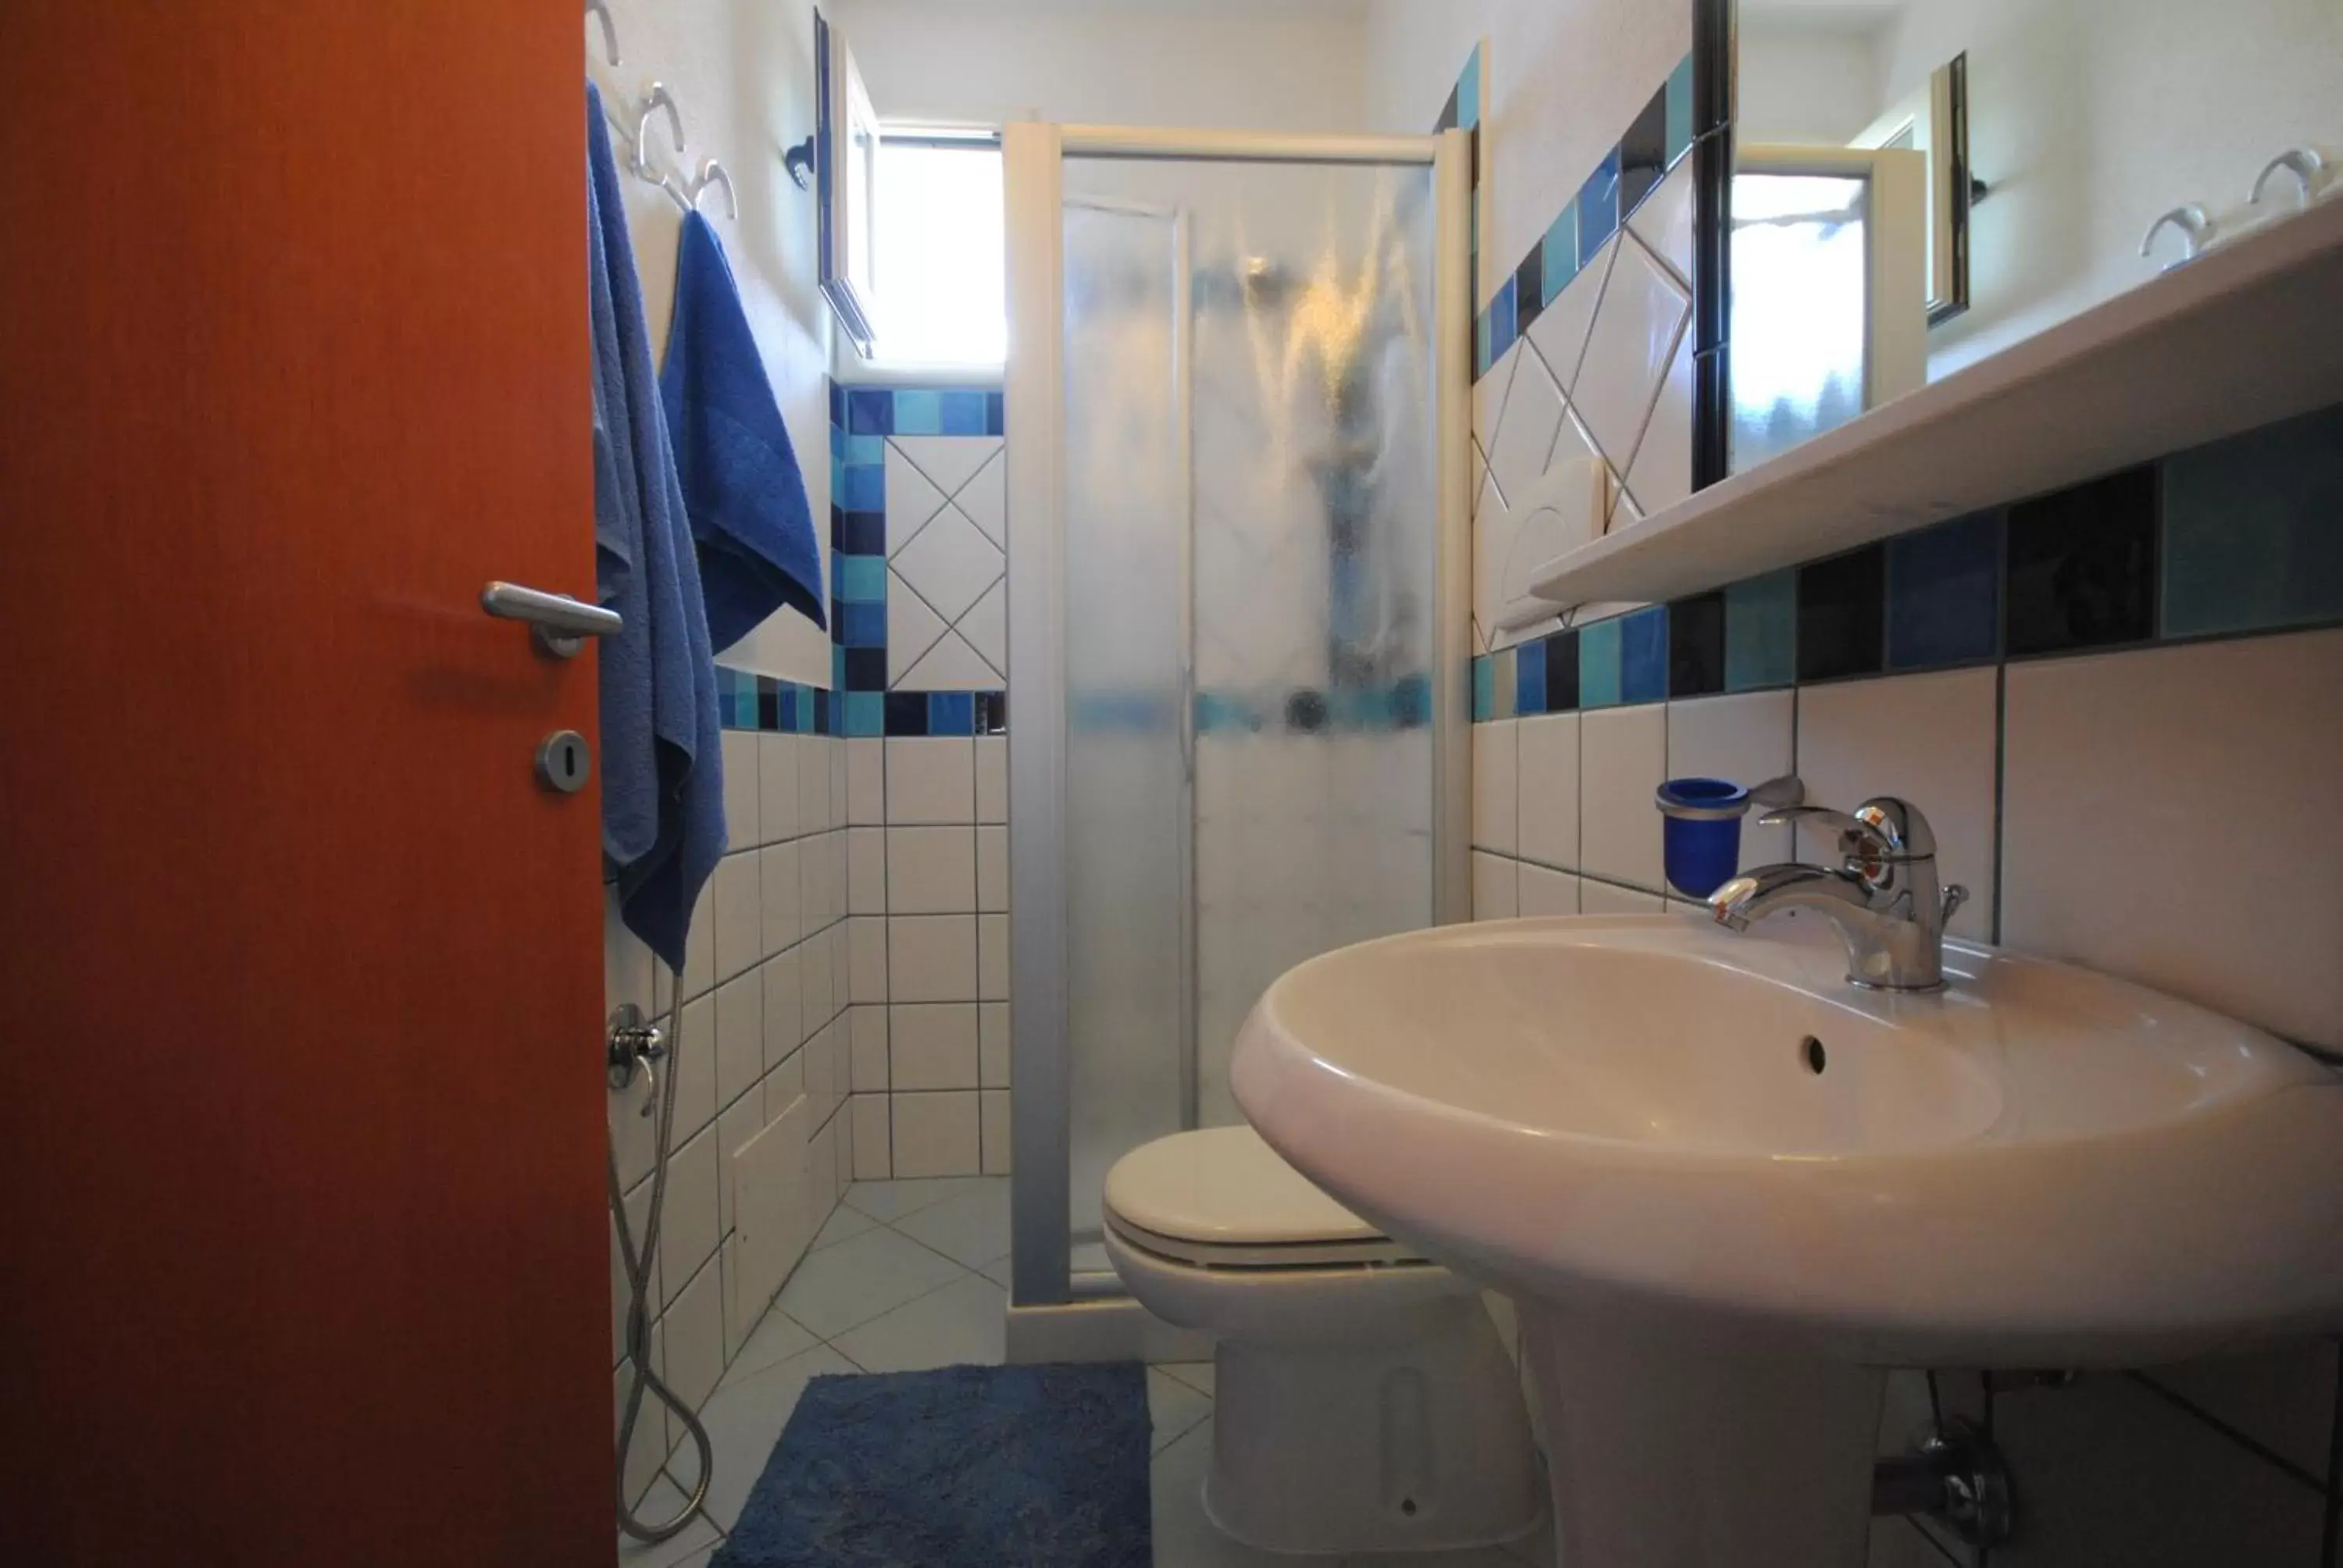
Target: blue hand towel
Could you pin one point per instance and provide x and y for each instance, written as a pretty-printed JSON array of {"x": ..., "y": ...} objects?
[
  {"x": 741, "y": 486},
  {"x": 662, "y": 768}
]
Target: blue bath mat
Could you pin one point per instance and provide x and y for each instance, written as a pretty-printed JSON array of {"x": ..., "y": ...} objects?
[{"x": 963, "y": 1467}]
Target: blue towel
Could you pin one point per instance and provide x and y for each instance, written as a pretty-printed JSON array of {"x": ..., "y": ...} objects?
[
  {"x": 662, "y": 766},
  {"x": 741, "y": 486}
]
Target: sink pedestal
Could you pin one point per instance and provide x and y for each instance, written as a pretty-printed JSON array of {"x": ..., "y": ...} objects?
[{"x": 1669, "y": 1453}]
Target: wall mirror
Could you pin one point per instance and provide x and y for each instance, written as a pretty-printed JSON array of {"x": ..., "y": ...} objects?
[{"x": 1915, "y": 184}]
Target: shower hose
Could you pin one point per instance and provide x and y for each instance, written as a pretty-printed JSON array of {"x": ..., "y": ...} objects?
[{"x": 638, "y": 1261}]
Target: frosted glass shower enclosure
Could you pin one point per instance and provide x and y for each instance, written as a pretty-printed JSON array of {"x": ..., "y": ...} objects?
[{"x": 1238, "y": 406}]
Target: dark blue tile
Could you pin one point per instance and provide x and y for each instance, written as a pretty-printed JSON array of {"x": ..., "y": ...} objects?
[
  {"x": 1529, "y": 679},
  {"x": 1306, "y": 711},
  {"x": 837, "y": 406},
  {"x": 865, "y": 668},
  {"x": 869, "y": 411},
  {"x": 1842, "y": 615},
  {"x": 825, "y": 713},
  {"x": 1598, "y": 206},
  {"x": 952, "y": 713},
  {"x": 1643, "y": 153},
  {"x": 863, "y": 625},
  {"x": 1643, "y": 656},
  {"x": 769, "y": 703},
  {"x": 963, "y": 413},
  {"x": 1696, "y": 645},
  {"x": 837, "y": 517},
  {"x": 996, "y": 414},
  {"x": 862, "y": 532},
  {"x": 992, "y": 713},
  {"x": 1944, "y": 594},
  {"x": 1560, "y": 662},
  {"x": 2082, "y": 566},
  {"x": 1529, "y": 288},
  {"x": 907, "y": 713}
]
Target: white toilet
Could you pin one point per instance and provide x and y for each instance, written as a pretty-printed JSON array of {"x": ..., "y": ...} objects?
[{"x": 1364, "y": 1402}]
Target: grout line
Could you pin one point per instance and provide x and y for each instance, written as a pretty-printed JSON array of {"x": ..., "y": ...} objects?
[
  {"x": 2330, "y": 1540},
  {"x": 2245, "y": 1440}
]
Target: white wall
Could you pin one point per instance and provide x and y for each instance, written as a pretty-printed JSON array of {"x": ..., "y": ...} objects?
[
  {"x": 1804, "y": 85},
  {"x": 2090, "y": 117},
  {"x": 1564, "y": 79},
  {"x": 742, "y": 72},
  {"x": 1270, "y": 64}
]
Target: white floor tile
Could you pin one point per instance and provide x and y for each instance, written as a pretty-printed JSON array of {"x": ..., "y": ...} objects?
[
  {"x": 844, "y": 1286},
  {"x": 1185, "y": 1535},
  {"x": 997, "y": 1271},
  {"x": 774, "y": 1340},
  {"x": 662, "y": 1502},
  {"x": 1173, "y": 1409},
  {"x": 845, "y": 1223},
  {"x": 891, "y": 1200},
  {"x": 962, "y": 1324},
  {"x": 971, "y": 1229},
  {"x": 1197, "y": 1375},
  {"x": 744, "y": 1420}
]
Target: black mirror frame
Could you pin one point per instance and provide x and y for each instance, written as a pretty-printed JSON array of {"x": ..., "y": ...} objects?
[{"x": 1714, "y": 53}]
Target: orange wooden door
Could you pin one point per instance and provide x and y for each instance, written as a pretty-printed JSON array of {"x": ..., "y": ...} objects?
[{"x": 301, "y": 1119}]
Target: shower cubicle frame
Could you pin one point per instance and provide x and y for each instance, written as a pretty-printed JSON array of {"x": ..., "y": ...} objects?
[{"x": 1057, "y": 1313}]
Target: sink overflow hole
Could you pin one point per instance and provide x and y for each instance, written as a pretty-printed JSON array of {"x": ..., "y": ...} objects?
[{"x": 1816, "y": 1057}]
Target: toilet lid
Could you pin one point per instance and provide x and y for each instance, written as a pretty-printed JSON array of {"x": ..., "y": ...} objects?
[{"x": 1224, "y": 1186}]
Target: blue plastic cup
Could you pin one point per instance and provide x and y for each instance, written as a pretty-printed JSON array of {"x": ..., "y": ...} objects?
[{"x": 1702, "y": 835}]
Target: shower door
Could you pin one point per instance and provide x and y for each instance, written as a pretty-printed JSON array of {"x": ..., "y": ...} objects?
[{"x": 1237, "y": 614}]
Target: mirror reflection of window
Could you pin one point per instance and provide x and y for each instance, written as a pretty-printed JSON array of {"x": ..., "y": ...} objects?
[{"x": 1800, "y": 307}]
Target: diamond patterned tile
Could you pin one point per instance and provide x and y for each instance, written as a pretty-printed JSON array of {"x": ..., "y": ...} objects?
[
  {"x": 1526, "y": 430},
  {"x": 912, "y": 628},
  {"x": 986, "y": 627},
  {"x": 1559, "y": 334},
  {"x": 948, "y": 461},
  {"x": 952, "y": 665},
  {"x": 1636, "y": 331},
  {"x": 985, "y": 499},
  {"x": 911, "y": 500},
  {"x": 951, "y": 563}
]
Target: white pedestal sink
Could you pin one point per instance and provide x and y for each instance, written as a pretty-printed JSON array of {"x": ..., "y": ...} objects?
[{"x": 1728, "y": 1190}]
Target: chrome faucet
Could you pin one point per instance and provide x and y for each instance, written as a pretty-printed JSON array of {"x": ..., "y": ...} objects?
[{"x": 1884, "y": 896}]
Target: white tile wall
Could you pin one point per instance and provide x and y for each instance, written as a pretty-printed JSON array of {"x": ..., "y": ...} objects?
[
  {"x": 1622, "y": 760},
  {"x": 2170, "y": 815},
  {"x": 768, "y": 925},
  {"x": 937, "y": 1134},
  {"x": 1495, "y": 781},
  {"x": 1748, "y": 738},
  {"x": 1546, "y": 803},
  {"x": 1929, "y": 738}
]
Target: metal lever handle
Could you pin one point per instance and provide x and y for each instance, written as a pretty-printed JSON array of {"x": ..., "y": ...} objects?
[
  {"x": 560, "y": 624},
  {"x": 1824, "y": 816}
]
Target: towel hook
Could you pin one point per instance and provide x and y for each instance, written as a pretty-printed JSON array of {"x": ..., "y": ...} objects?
[
  {"x": 711, "y": 173},
  {"x": 601, "y": 11},
  {"x": 2308, "y": 166},
  {"x": 658, "y": 98},
  {"x": 2196, "y": 226}
]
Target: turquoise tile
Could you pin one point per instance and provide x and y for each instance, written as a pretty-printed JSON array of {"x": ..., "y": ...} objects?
[
  {"x": 1481, "y": 345},
  {"x": 1598, "y": 664},
  {"x": 860, "y": 580},
  {"x": 866, "y": 449},
  {"x": 1679, "y": 89},
  {"x": 1559, "y": 254},
  {"x": 1502, "y": 695},
  {"x": 919, "y": 414},
  {"x": 1484, "y": 689},
  {"x": 1761, "y": 631},
  {"x": 2253, "y": 530},
  {"x": 1468, "y": 93},
  {"x": 866, "y": 712}
]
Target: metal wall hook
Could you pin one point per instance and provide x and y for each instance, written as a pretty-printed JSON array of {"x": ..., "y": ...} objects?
[
  {"x": 711, "y": 173},
  {"x": 2196, "y": 226},
  {"x": 2308, "y": 166},
  {"x": 601, "y": 11},
  {"x": 658, "y": 98},
  {"x": 799, "y": 162}
]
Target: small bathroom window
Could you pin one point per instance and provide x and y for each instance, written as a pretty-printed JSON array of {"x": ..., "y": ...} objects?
[{"x": 912, "y": 244}]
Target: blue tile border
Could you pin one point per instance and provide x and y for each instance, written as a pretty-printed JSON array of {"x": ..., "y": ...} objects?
[
  {"x": 1939, "y": 597},
  {"x": 1651, "y": 147}
]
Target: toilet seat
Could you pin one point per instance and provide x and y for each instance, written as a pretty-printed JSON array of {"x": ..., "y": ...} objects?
[{"x": 1221, "y": 1198}]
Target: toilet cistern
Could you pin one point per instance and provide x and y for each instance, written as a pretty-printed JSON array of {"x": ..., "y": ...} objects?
[{"x": 1884, "y": 896}]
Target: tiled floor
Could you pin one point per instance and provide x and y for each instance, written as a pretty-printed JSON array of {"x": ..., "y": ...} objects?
[{"x": 914, "y": 1274}]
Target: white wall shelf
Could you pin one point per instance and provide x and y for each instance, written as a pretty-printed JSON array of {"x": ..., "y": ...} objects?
[{"x": 2250, "y": 334}]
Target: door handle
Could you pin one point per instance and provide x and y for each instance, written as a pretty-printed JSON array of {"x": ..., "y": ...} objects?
[{"x": 560, "y": 624}]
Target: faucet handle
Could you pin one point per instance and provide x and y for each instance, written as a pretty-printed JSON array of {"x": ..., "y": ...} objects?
[{"x": 1849, "y": 828}]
